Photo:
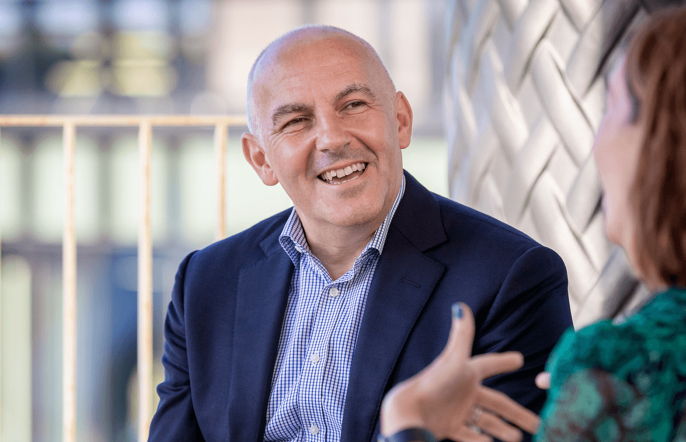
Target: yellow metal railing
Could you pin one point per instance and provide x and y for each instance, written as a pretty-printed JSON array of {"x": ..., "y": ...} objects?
[{"x": 145, "y": 351}]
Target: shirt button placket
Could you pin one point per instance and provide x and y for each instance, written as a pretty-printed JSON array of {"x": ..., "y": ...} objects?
[{"x": 334, "y": 292}]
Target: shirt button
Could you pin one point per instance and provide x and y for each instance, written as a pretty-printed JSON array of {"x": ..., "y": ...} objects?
[
  {"x": 314, "y": 429},
  {"x": 314, "y": 358},
  {"x": 333, "y": 292}
]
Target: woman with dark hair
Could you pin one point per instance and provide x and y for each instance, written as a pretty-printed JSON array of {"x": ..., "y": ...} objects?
[{"x": 611, "y": 381}]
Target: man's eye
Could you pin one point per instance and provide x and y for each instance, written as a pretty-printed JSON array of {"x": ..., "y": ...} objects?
[
  {"x": 294, "y": 122},
  {"x": 355, "y": 106}
]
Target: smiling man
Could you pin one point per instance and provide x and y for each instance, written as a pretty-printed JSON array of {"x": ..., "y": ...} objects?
[{"x": 295, "y": 328}]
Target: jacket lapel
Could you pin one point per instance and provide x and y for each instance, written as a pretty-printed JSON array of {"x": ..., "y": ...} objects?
[
  {"x": 403, "y": 282},
  {"x": 260, "y": 307}
]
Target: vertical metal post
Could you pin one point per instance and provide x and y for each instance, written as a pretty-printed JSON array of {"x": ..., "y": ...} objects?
[
  {"x": 220, "y": 137},
  {"x": 69, "y": 290},
  {"x": 145, "y": 352},
  {"x": 0, "y": 310}
]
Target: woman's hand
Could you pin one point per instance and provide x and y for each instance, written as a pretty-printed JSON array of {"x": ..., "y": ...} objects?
[
  {"x": 447, "y": 397},
  {"x": 543, "y": 380}
]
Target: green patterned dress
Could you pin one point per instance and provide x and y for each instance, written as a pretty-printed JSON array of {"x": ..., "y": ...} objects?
[{"x": 621, "y": 382}]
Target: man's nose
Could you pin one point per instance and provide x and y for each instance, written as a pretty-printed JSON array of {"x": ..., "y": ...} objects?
[{"x": 331, "y": 133}]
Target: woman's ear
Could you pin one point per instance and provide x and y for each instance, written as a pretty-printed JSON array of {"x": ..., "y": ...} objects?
[
  {"x": 255, "y": 155},
  {"x": 403, "y": 115}
]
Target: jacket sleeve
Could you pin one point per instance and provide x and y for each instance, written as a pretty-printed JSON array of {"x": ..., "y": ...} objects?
[
  {"x": 175, "y": 418},
  {"x": 529, "y": 314}
]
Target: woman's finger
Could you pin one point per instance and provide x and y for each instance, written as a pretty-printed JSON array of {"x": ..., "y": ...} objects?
[
  {"x": 543, "y": 380},
  {"x": 461, "y": 333},
  {"x": 465, "y": 434},
  {"x": 491, "y": 364},
  {"x": 505, "y": 407},
  {"x": 497, "y": 428}
]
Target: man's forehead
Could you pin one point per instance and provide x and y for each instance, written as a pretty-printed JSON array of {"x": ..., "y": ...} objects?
[
  {"x": 319, "y": 57},
  {"x": 328, "y": 63},
  {"x": 308, "y": 51}
]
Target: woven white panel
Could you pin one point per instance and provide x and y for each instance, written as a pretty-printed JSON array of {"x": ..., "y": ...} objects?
[{"x": 523, "y": 102}]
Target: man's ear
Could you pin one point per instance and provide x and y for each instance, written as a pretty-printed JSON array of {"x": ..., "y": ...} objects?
[
  {"x": 403, "y": 115},
  {"x": 254, "y": 154}
]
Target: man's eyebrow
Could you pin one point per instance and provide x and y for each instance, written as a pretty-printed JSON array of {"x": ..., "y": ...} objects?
[
  {"x": 362, "y": 88},
  {"x": 289, "y": 109}
]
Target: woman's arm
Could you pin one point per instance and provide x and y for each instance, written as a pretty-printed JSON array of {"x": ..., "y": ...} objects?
[
  {"x": 447, "y": 397},
  {"x": 593, "y": 405}
]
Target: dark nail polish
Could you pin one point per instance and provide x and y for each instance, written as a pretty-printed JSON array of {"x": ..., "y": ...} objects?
[{"x": 457, "y": 311}]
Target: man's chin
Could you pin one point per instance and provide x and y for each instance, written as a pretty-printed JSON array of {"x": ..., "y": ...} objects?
[{"x": 356, "y": 215}]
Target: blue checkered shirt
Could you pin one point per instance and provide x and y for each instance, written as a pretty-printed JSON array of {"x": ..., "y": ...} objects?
[{"x": 318, "y": 338}]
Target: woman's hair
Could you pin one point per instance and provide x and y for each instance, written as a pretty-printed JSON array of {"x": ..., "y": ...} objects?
[{"x": 656, "y": 81}]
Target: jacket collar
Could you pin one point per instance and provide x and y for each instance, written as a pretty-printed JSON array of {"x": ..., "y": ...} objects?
[{"x": 418, "y": 216}]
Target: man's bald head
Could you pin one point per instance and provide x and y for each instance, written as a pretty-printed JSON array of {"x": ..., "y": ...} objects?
[{"x": 301, "y": 37}]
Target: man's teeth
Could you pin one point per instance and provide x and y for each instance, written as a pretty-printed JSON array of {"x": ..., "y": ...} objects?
[{"x": 341, "y": 173}]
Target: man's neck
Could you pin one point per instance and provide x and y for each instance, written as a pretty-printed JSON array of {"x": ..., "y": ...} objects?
[{"x": 338, "y": 247}]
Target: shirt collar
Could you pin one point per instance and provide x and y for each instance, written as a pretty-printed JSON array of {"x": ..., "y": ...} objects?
[{"x": 293, "y": 241}]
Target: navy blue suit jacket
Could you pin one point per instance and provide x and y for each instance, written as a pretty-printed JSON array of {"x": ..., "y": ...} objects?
[{"x": 224, "y": 321}]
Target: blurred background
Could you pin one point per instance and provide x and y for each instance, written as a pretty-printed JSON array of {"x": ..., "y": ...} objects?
[{"x": 140, "y": 57}]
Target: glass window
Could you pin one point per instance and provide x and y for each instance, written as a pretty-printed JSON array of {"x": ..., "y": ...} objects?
[
  {"x": 361, "y": 17},
  {"x": 67, "y": 17},
  {"x": 248, "y": 200},
  {"x": 410, "y": 61},
  {"x": 241, "y": 30},
  {"x": 125, "y": 188},
  {"x": 141, "y": 14},
  {"x": 10, "y": 27},
  {"x": 10, "y": 190},
  {"x": 48, "y": 190},
  {"x": 195, "y": 16},
  {"x": 15, "y": 376},
  {"x": 425, "y": 158}
]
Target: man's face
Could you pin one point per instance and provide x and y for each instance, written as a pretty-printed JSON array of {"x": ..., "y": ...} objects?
[{"x": 330, "y": 130}]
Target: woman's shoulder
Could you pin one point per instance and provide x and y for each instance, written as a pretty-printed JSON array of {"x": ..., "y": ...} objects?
[
  {"x": 653, "y": 339},
  {"x": 635, "y": 370},
  {"x": 594, "y": 405}
]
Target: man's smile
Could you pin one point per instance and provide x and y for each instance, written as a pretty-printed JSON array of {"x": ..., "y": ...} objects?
[{"x": 343, "y": 175}]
